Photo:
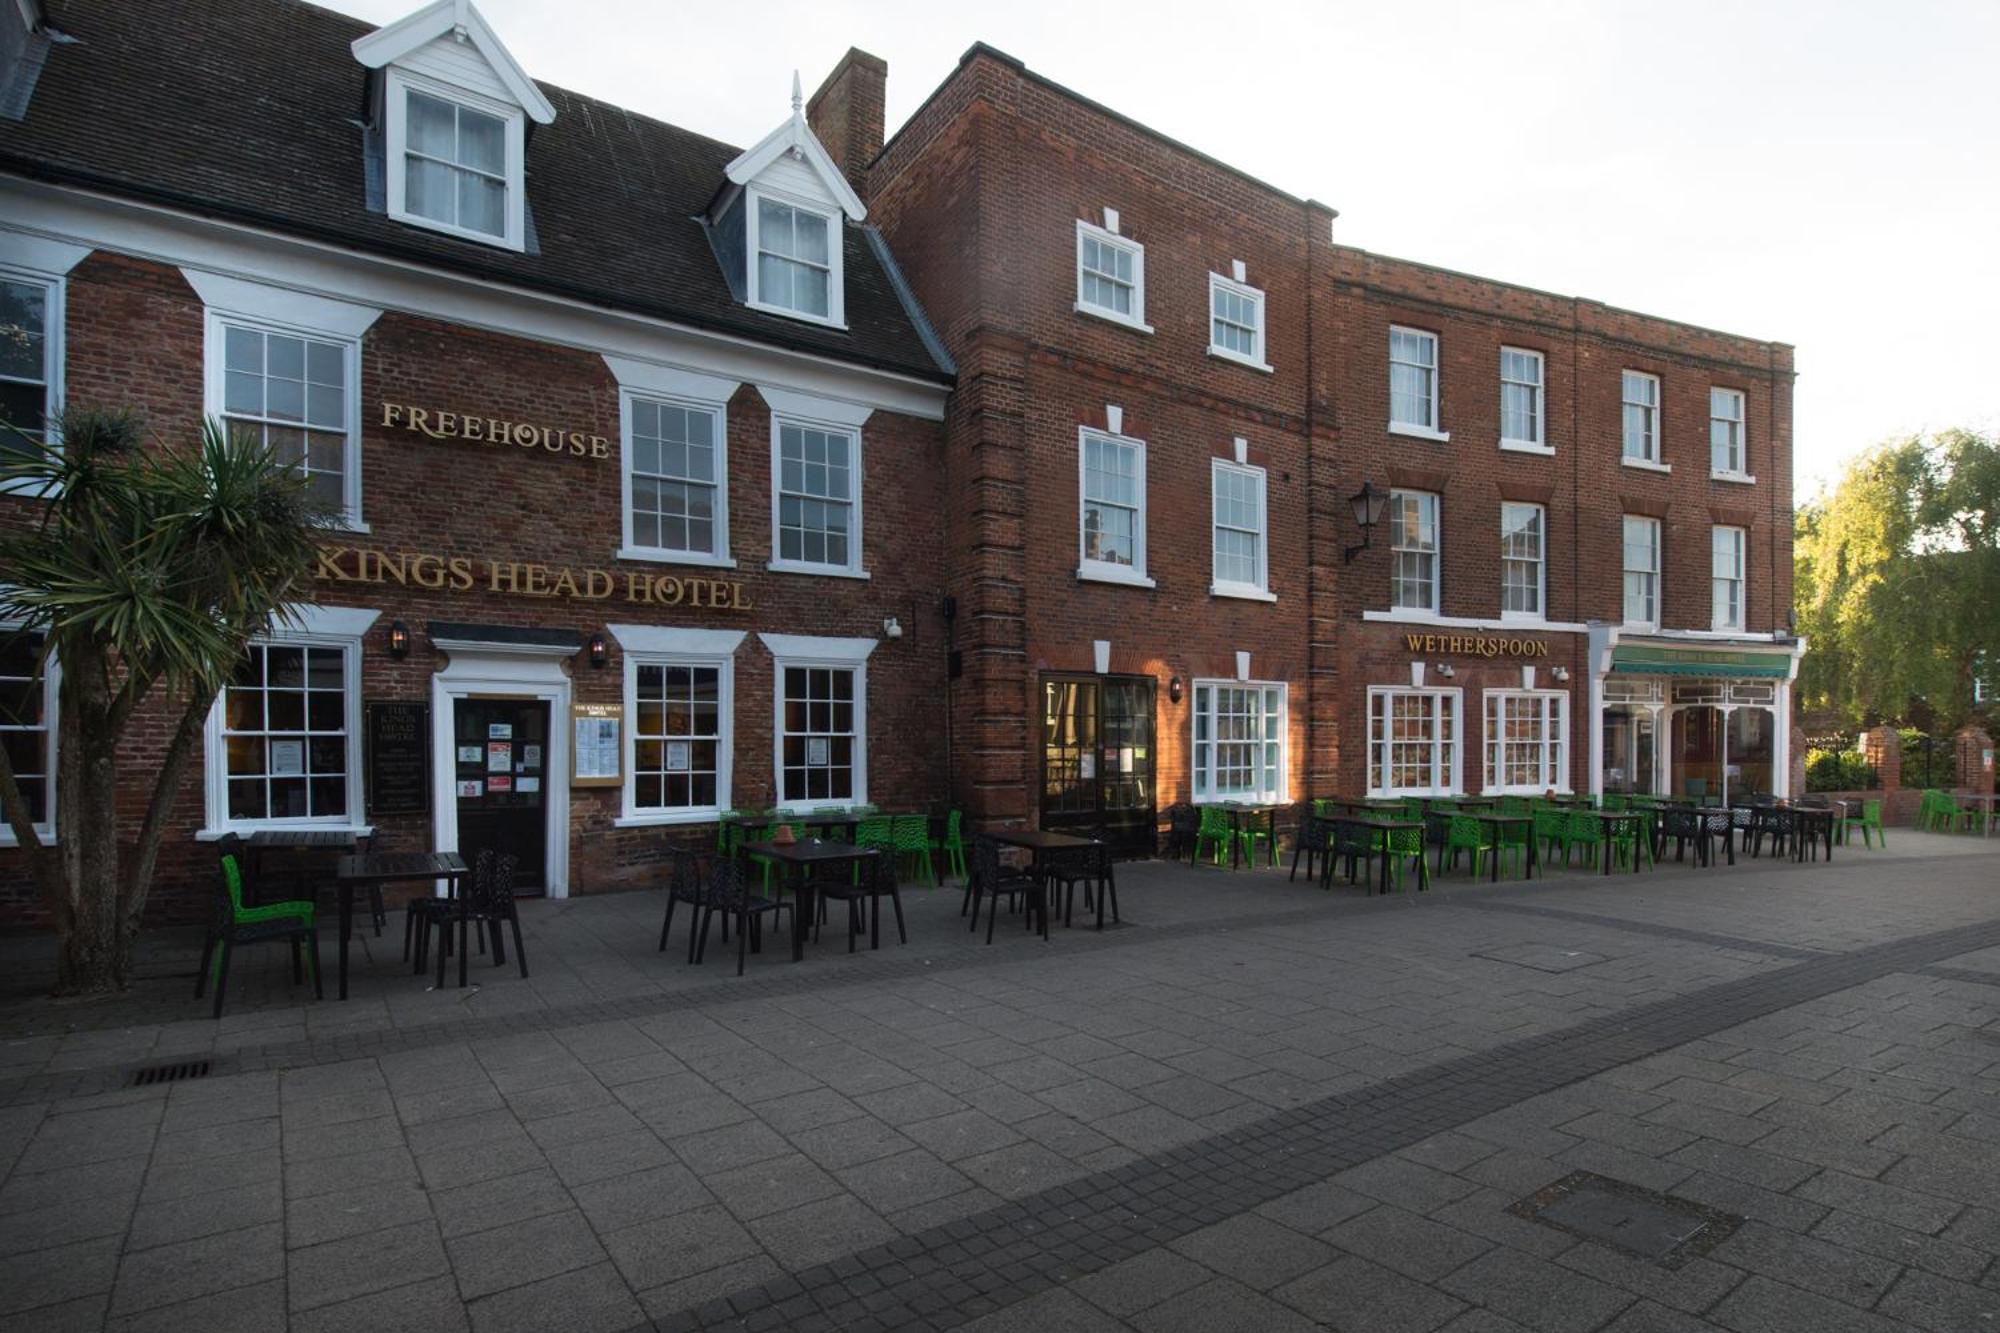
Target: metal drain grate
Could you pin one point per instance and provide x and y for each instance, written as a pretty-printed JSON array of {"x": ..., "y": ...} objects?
[
  {"x": 174, "y": 1073},
  {"x": 1643, "y": 1223}
]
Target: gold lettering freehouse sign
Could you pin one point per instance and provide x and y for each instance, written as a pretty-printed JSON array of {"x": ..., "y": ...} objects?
[{"x": 474, "y": 428}]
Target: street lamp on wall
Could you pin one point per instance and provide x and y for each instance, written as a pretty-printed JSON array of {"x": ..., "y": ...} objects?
[
  {"x": 399, "y": 640},
  {"x": 1368, "y": 505},
  {"x": 599, "y": 650}
]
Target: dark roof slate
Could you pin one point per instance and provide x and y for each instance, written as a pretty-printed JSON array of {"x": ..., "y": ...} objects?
[{"x": 250, "y": 110}]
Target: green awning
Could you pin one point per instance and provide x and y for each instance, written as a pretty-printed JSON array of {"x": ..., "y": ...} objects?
[{"x": 1657, "y": 660}]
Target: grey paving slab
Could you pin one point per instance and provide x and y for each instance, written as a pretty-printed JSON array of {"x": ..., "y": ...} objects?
[
  {"x": 340, "y": 1270},
  {"x": 522, "y": 1252},
  {"x": 1222, "y": 1306},
  {"x": 171, "y": 1274},
  {"x": 253, "y": 1309},
  {"x": 1351, "y": 1292},
  {"x": 416, "y": 1307}
]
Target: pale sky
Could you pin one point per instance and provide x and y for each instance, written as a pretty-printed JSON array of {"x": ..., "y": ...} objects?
[{"x": 1823, "y": 174}]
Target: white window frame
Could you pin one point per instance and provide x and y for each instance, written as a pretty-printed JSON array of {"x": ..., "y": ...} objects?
[
  {"x": 397, "y": 84},
  {"x": 652, "y": 645},
  {"x": 51, "y": 717},
  {"x": 1105, "y": 571},
  {"x": 1452, "y": 698},
  {"x": 630, "y": 549},
  {"x": 836, "y": 285},
  {"x": 338, "y": 627},
  {"x": 852, "y": 568},
  {"x": 1739, "y": 469},
  {"x": 1260, "y": 589},
  {"x": 1419, "y": 430},
  {"x": 220, "y": 319},
  {"x": 1554, "y": 743},
  {"x": 1538, "y": 443},
  {"x": 1135, "y": 320},
  {"x": 808, "y": 651},
  {"x": 1541, "y": 611},
  {"x": 55, "y": 296},
  {"x": 1202, "y": 777},
  {"x": 1436, "y": 552},
  {"x": 1257, "y": 359},
  {"x": 1739, "y": 579},
  {"x": 1626, "y": 571},
  {"x": 1649, "y": 457}
]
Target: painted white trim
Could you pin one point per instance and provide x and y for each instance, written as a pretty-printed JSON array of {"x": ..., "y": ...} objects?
[
  {"x": 806, "y": 650},
  {"x": 1742, "y": 423},
  {"x": 280, "y": 305},
  {"x": 217, "y": 320},
  {"x": 397, "y": 85},
  {"x": 1413, "y": 616},
  {"x": 1104, "y": 571},
  {"x": 1419, "y": 432},
  {"x": 1218, "y": 586},
  {"x": 1525, "y": 447},
  {"x": 1455, "y": 696},
  {"x": 177, "y": 239},
  {"x": 818, "y": 648},
  {"x": 1240, "y": 593},
  {"x": 1645, "y": 466},
  {"x": 658, "y": 645},
  {"x": 816, "y": 408},
  {"x": 1257, "y": 360},
  {"x": 673, "y": 641},
  {"x": 1541, "y": 611},
  {"x": 1564, "y": 741},
  {"x": 39, "y": 254},
  {"x": 516, "y": 671},
  {"x": 503, "y": 648},
  {"x": 836, "y": 281},
  {"x": 55, "y": 300},
  {"x": 1527, "y": 444},
  {"x": 795, "y": 136},
  {"x": 453, "y": 18},
  {"x": 1659, "y": 561},
  {"x": 1436, "y": 552},
  {"x": 1202, "y": 792},
  {"x": 1658, "y": 410},
  {"x": 656, "y": 379},
  {"x": 51, "y": 765},
  {"x": 1434, "y": 431},
  {"x": 853, "y": 568},
  {"x": 340, "y": 622},
  {"x": 629, "y": 548},
  {"x": 1733, "y": 478},
  {"x": 1096, "y": 571},
  {"x": 1110, "y": 237}
]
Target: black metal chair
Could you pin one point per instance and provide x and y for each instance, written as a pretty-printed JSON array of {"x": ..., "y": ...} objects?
[
  {"x": 685, "y": 884},
  {"x": 1091, "y": 867},
  {"x": 730, "y": 894},
  {"x": 863, "y": 893},
  {"x": 992, "y": 879},
  {"x": 489, "y": 903},
  {"x": 236, "y": 923},
  {"x": 1183, "y": 832},
  {"x": 1353, "y": 845},
  {"x": 1314, "y": 843},
  {"x": 1720, "y": 825},
  {"x": 1759, "y": 821},
  {"x": 1685, "y": 828}
]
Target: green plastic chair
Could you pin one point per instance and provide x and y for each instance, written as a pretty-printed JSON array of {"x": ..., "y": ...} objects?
[
  {"x": 952, "y": 845},
  {"x": 875, "y": 831},
  {"x": 1514, "y": 805},
  {"x": 1869, "y": 822},
  {"x": 294, "y": 921},
  {"x": 1469, "y": 835},
  {"x": 1585, "y": 832},
  {"x": 1631, "y": 843},
  {"x": 1615, "y": 801},
  {"x": 1249, "y": 835},
  {"x": 1214, "y": 829},
  {"x": 1402, "y": 846},
  {"x": 910, "y": 836},
  {"x": 1552, "y": 831}
]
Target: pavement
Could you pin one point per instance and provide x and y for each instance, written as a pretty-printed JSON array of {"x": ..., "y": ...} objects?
[{"x": 1763, "y": 1099}]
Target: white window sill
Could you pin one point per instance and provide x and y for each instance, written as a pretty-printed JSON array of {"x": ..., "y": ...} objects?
[
  {"x": 804, "y": 317},
  {"x": 1647, "y": 465},
  {"x": 1238, "y": 798},
  {"x": 827, "y": 571},
  {"x": 1224, "y": 354},
  {"x": 657, "y": 818},
  {"x": 348, "y": 523},
  {"x": 1419, "y": 432},
  {"x": 1242, "y": 592},
  {"x": 1409, "y": 615},
  {"x": 245, "y": 830},
  {"x": 1525, "y": 619},
  {"x": 463, "y": 233},
  {"x": 1640, "y": 627},
  {"x": 1727, "y": 630},
  {"x": 803, "y": 808},
  {"x": 1113, "y": 317},
  {"x": 1524, "y": 791},
  {"x": 1733, "y": 478},
  {"x": 1414, "y": 613},
  {"x": 656, "y": 556},
  {"x": 1088, "y": 573},
  {"x": 46, "y": 834},
  {"x": 1527, "y": 447}
]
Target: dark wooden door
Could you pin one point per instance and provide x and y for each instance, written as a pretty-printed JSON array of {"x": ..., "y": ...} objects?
[
  {"x": 1098, "y": 758},
  {"x": 501, "y": 768}
]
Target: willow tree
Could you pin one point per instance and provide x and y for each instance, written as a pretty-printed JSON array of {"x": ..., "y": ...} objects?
[
  {"x": 144, "y": 569},
  {"x": 1898, "y": 578}
]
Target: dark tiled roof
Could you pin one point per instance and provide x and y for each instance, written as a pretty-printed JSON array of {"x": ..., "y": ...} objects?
[{"x": 249, "y": 109}]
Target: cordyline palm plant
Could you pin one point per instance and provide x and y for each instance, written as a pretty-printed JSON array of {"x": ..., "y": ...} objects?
[{"x": 146, "y": 569}]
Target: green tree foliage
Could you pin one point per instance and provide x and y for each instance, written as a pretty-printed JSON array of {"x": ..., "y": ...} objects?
[
  {"x": 1897, "y": 578},
  {"x": 146, "y": 569}
]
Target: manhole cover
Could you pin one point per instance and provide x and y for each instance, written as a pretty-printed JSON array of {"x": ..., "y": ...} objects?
[{"x": 1643, "y": 1223}]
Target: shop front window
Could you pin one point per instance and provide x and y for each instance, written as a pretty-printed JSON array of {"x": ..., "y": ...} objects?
[
  {"x": 1526, "y": 741},
  {"x": 1630, "y": 741},
  {"x": 1412, "y": 741},
  {"x": 1239, "y": 741}
]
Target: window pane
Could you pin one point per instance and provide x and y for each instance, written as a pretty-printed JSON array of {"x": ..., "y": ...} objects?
[
  {"x": 432, "y": 125},
  {"x": 482, "y": 142}
]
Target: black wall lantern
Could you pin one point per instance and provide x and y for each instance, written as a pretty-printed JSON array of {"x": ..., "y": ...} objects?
[
  {"x": 399, "y": 640},
  {"x": 1368, "y": 506},
  {"x": 1175, "y": 689},
  {"x": 600, "y": 651}
]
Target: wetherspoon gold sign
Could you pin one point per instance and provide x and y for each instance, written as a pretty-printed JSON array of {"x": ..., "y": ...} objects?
[
  {"x": 525, "y": 578},
  {"x": 1476, "y": 645},
  {"x": 473, "y": 428}
]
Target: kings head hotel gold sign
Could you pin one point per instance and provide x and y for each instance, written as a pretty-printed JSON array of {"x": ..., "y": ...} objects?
[
  {"x": 476, "y": 429},
  {"x": 525, "y": 578}
]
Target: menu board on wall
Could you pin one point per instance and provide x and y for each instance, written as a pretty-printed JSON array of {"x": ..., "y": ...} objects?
[
  {"x": 597, "y": 745},
  {"x": 399, "y": 758}
]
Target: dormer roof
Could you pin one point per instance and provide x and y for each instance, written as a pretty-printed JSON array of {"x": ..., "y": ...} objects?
[
  {"x": 460, "y": 21},
  {"x": 794, "y": 137}
]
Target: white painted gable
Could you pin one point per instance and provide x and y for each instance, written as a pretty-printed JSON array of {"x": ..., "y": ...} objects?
[
  {"x": 449, "y": 41},
  {"x": 791, "y": 158}
]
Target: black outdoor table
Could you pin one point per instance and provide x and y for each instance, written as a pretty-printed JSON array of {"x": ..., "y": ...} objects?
[
  {"x": 800, "y": 821},
  {"x": 1498, "y": 822},
  {"x": 801, "y": 858},
  {"x": 1386, "y": 825},
  {"x": 1812, "y": 825},
  {"x": 1613, "y": 817},
  {"x": 1240, "y": 811},
  {"x": 374, "y": 868},
  {"x": 296, "y": 840}
]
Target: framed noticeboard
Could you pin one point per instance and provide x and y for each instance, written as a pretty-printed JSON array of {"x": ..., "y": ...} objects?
[
  {"x": 597, "y": 745},
  {"x": 399, "y": 758}
]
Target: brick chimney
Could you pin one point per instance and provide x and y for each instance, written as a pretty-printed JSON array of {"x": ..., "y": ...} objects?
[{"x": 847, "y": 113}]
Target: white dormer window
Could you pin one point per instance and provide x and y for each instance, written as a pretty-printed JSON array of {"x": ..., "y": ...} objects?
[
  {"x": 454, "y": 110},
  {"x": 798, "y": 264}
]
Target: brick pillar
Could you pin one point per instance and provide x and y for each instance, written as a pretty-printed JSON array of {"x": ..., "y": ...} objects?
[
  {"x": 1972, "y": 747},
  {"x": 1883, "y": 748},
  {"x": 847, "y": 113}
]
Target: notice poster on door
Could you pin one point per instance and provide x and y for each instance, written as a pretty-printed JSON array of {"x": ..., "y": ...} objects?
[
  {"x": 1086, "y": 765},
  {"x": 288, "y": 758},
  {"x": 678, "y": 757},
  {"x": 816, "y": 752},
  {"x": 527, "y": 786},
  {"x": 469, "y": 789},
  {"x": 531, "y": 756},
  {"x": 499, "y": 756},
  {"x": 468, "y": 754},
  {"x": 500, "y": 782},
  {"x": 597, "y": 744},
  {"x": 499, "y": 731}
]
